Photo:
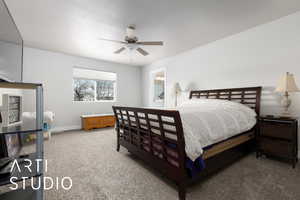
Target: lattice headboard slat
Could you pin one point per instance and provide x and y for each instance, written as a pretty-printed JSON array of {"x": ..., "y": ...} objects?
[{"x": 249, "y": 96}]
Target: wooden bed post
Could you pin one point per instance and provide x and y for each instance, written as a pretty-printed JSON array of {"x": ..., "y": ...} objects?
[
  {"x": 181, "y": 191},
  {"x": 118, "y": 141},
  {"x": 117, "y": 130},
  {"x": 182, "y": 155}
]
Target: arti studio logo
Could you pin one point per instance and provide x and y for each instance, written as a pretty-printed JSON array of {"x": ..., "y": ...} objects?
[{"x": 30, "y": 166}]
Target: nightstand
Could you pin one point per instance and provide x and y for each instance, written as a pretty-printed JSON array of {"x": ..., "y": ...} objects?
[{"x": 278, "y": 137}]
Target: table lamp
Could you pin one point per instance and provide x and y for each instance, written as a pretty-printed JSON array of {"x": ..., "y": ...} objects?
[
  {"x": 286, "y": 85},
  {"x": 177, "y": 91}
]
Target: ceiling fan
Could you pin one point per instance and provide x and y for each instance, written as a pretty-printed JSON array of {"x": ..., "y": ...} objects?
[{"x": 131, "y": 42}]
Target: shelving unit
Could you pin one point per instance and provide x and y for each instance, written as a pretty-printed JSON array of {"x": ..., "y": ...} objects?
[
  {"x": 37, "y": 171},
  {"x": 25, "y": 172},
  {"x": 15, "y": 108},
  {"x": 27, "y": 194}
]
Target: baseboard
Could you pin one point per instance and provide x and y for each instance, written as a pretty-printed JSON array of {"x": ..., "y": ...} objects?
[{"x": 65, "y": 128}]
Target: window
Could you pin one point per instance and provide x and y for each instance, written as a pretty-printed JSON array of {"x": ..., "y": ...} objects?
[
  {"x": 92, "y": 85},
  {"x": 158, "y": 86}
]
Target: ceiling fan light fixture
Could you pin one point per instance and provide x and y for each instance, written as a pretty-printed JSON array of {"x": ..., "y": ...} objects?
[
  {"x": 131, "y": 47},
  {"x": 132, "y": 44},
  {"x": 130, "y": 31}
]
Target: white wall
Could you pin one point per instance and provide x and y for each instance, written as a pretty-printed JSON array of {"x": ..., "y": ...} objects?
[
  {"x": 54, "y": 70},
  {"x": 10, "y": 61},
  {"x": 257, "y": 57}
]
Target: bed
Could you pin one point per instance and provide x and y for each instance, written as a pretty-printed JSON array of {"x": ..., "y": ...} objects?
[{"x": 159, "y": 137}]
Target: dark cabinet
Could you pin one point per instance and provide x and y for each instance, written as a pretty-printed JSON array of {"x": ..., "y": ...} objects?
[{"x": 278, "y": 137}]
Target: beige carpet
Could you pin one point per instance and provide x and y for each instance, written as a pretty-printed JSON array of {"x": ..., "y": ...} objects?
[{"x": 99, "y": 172}]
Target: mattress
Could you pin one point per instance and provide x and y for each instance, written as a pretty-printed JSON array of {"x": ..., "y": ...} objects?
[{"x": 196, "y": 166}]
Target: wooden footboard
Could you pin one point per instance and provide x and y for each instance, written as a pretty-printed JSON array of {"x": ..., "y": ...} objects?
[{"x": 155, "y": 136}]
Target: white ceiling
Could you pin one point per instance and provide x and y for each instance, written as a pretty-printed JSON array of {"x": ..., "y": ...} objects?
[
  {"x": 73, "y": 26},
  {"x": 8, "y": 32}
]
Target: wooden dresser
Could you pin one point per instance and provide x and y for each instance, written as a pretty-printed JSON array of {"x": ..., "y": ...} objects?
[
  {"x": 278, "y": 137},
  {"x": 97, "y": 121}
]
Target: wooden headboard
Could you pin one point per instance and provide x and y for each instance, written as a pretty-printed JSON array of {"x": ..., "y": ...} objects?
[{"x": 249, "y": 96}]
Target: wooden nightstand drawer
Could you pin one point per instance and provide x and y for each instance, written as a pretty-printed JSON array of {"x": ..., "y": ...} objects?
[
  {"x": 277, "y": 130},
  {"x": 278, "y": 137},
  {"x": 276, "y": 147}
]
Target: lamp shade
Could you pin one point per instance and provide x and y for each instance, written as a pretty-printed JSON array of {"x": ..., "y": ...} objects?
[
  {"x": 287, "y": 84},
  {"x": 177, "y": 89}
]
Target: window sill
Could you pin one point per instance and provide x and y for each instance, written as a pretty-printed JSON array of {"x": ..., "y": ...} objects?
[
  {"x": 108, "y": 101},
  {"x": 158, "y": 101}
]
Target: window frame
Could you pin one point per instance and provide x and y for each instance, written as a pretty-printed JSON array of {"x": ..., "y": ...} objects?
[{"x": 95, "y": 86}]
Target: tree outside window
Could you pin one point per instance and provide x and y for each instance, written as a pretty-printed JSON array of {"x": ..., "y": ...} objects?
[
  {"x": 85, "y": 89},
  {"x": 105, "y": 90}
]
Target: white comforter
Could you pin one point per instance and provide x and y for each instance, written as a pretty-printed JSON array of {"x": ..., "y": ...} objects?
[{"x": 208, "y": 121}]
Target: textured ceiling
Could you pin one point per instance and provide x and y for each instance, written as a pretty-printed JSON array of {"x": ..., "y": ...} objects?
[{"x": 74, "y": 26}]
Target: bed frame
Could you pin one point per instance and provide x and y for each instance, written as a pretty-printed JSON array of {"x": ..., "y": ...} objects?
[{"x": 135, "y": 125}]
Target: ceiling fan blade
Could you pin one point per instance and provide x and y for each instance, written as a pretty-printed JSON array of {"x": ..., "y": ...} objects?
[
  {"x": 116, "y": 41},
  {"x": 120, "y": 50},
  {"x": 142, "y": 51},
  {"x": 151, "y": 43}
]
